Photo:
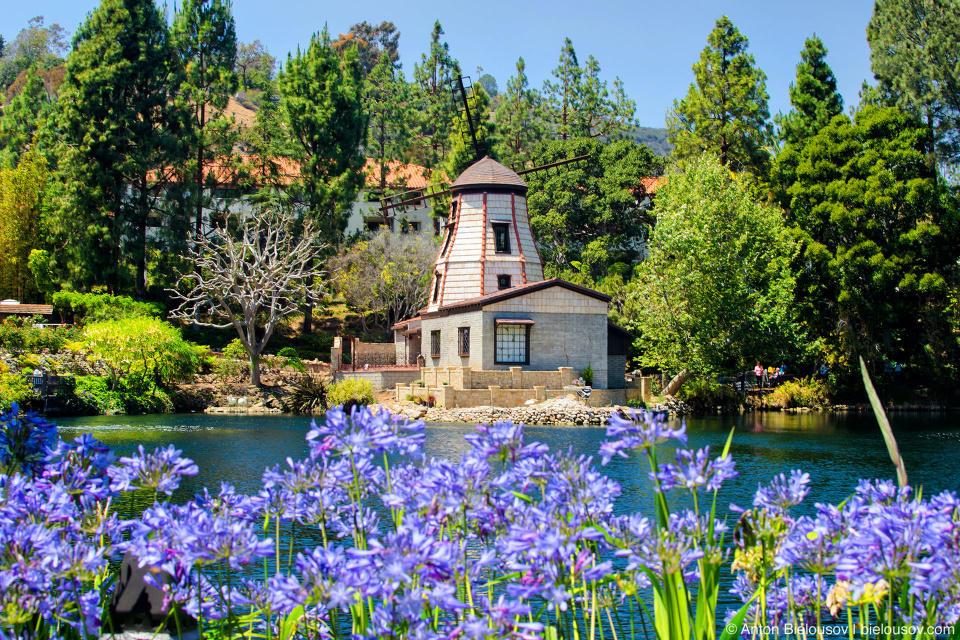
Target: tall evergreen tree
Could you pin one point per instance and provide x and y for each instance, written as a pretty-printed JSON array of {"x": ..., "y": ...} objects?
[
  {"x": 519, "y": 125},
  {"x": 914, "y": 53},
  {"x": 371, "y": 41},
  {"x": 561, "y": 97},
  {"x": 878, "y": 244},
  {"x": 321, "y": 94},
  {"x": 120, "y": 127},
  {"x": 387, "y": 99},
  {"x": 22, "y": 118},
  {"x": 434, "y": 78},
  {"x": 205, "y": 36},
  {"x": 814, "y": 96},
  {"x": 725, "y": 111},
  {"x": 23, "y": 196}
]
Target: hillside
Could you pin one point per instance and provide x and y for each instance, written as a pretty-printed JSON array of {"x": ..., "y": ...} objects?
[{"x": 654, "y": 138}]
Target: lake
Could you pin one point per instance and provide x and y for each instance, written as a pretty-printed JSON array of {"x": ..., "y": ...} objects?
[{"x": 835, "y": 448}]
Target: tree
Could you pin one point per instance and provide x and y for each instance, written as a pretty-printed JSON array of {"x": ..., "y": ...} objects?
[
  {"x": 725, "y": 111},
  {"x": 592, "y": 212},
  {"x": 37, "y": 45},
  {"x": 434, "y": 78},
  {"x": 141, "y": 353},
  {"x": 22, "y": 118},
  {"x": 814, "y": 96},
  {"x": 205, "y": 37},
  {"x": 387, "y": 99},
  {"x": 716, "y": 290},
  {"x": 259, "y": 275},
  {"x": 371, "y": 42},
  {"x": 489, "y": 83},
  {"x": 878, "y": 243},
  {"x": 914, "y": 49},
  {"x": 22, "y": 203},
  {"x": 815, "y": 102},
  {"x": 579, "y": 104},
  {"x": 321, "y": 97},
  {"x": 519, "y": 125},
  {"x": 256, "y": 66},
  {"x": 120, "y": 127},
  {"x": 387, "y": 275}
]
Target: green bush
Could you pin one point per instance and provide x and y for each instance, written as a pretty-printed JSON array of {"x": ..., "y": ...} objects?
[
  {"x": 309, "y": 395},
  {"x": 92, "y": 395},
  {"x": 803, "y": 392},
  {"x": 141, "y": 353},
  {"x": 636, "y": 403},
  {"x": 14, "y": 388},
  {"x": 350, "y": 390},
  {"x": 588, "y": 376},
  {"x": 288, "y": 352},
  {"x": 705, "y": 396},
  {"x": 235, "y": 350},
  {"x": 18, "y": 335},
  {"x": 100, "y": 307}
]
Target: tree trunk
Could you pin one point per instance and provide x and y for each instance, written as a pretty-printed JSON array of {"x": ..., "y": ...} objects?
[
  {"x": 674, "y": 385},
  {"x": 254, "y": 370}
]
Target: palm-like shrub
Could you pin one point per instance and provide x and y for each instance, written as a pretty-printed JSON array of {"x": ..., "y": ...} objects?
[{"x": 309, "y": 395}]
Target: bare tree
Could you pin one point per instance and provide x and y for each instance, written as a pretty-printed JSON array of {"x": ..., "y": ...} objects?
[
  {"x": 387, "y": 275},
  {"x": 261, "y": 272}
]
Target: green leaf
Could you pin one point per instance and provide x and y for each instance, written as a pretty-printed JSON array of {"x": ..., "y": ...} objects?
[{"x": 884, "y": 425}]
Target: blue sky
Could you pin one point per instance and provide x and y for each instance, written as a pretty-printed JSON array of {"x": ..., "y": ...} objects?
[{"x": 650, "y": 44}]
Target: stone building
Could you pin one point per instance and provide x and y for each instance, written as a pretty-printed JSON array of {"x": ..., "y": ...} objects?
[{"x": 492, "y": 319}]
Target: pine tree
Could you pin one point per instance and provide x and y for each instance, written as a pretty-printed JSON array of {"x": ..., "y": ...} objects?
[
  {"x": 205, "y": 37},
  {"x": 120, "y": 128},
  {"x": 519, "y": 125},
  {"x": 814, "y": 96},
  {"x": 22, "y": 118},
  {"x": 914, "y": 53},
  {"x": 387, "y": 99},
  {"x": 562, "y": 96},
  {"x": 22, "y": 202},
  {"x": 579, "y": 105},
  {"x": 725, "y": 111},
  {"x": 434, "y": 78},
  {"x": 321, "y": 96}
]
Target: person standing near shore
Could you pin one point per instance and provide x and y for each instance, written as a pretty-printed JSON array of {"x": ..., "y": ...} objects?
[{"x": 758, "y": 371}]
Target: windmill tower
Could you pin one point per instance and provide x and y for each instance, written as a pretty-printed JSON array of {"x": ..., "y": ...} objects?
[{"x": 488, "y": 245}]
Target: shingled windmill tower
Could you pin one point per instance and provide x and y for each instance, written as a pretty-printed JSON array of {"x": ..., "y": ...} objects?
[
  {"x": 491, "y": 319},
  {"x": 488, "y": 245}
]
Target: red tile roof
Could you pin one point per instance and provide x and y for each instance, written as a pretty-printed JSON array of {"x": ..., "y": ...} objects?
[{"x": 651, "y": 184}]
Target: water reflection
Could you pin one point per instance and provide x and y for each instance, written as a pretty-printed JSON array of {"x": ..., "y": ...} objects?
[{"x": 835, "y": 448}]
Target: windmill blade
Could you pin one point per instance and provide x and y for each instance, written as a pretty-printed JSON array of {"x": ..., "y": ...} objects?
[
  {"x": 559, "y": 163},
  {"x": 459, "y": 92},
  {"x": 413, "y": 197}
]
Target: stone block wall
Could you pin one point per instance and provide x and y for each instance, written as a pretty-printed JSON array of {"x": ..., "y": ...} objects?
[
  {"x": 513, "y": 378},
  {"x": 449, "y": 352},
  {"x": 616, "y": 368}
]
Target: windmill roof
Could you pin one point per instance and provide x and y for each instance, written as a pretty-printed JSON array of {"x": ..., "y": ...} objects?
[{"x": 488, "y": 173}]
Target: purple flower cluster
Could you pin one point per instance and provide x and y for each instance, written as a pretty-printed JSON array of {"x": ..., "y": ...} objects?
[{"x": 511, "y": 541}]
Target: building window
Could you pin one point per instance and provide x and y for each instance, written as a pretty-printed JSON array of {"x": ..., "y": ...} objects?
[
  {"x": 446, "y": 241},
  {"x": 501, "y": 237},
  {"x": 415, "y": 227},
  {"x": 463, "y": 341},
  {"x": 436, "y": 286},
  {"x": 435, "y": 344},
  {"x": 503, "y": 282},
  {"x": 512, "y": 346}
]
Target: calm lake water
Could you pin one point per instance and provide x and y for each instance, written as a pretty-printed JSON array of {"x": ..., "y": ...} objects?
[{"x": 835, "y": 448}]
